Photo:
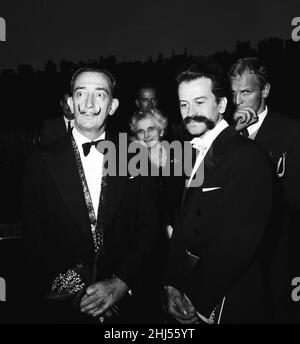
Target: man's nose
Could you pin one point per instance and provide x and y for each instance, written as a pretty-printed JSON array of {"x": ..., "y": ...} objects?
[
  {"x": 89, "y": 101},
  {"x": 237, "y": 99},
  {"x": 149, "y": 103},
  {"x": 192, "y": 111}
]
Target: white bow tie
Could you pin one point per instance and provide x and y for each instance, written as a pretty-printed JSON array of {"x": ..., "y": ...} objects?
[{"x": 197, "y": 143}]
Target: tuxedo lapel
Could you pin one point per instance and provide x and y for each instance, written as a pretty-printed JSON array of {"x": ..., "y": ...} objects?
[
  {"x": 112, "y": 198},
  {"x": 113, "y": 192},
  {"x": 213, "y": 158},
  {"x": 188, "y": 170},
  {"x": 265, "y": 132},
  {"x": 63, "y": 168},
  {"x": 217, "y": 152},
  {"x": 275, "y": 135}
]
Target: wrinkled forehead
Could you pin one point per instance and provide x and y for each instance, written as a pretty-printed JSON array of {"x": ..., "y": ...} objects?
[
  {"x": 145, "y": 123},
  {"x": 245, "y": 80},
  {"x": 147, "y": 93},
  {"x": 93, "y": 80}
]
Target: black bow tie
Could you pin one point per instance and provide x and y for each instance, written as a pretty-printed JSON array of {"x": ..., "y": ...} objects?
[{"x": 87, "y": 146}]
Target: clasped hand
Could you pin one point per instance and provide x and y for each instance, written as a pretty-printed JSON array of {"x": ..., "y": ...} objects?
[
  {"x": 101, "y": 296},
  {"x": 243, "y": 117},
  {"x": 180, "y": 307}
]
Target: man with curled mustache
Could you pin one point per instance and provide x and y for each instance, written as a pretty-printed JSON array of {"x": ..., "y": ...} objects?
[{"x": 92, "y": 247}]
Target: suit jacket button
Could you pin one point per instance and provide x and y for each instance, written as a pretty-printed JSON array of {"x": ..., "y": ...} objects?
[
  {"x": 198, "y": 212},
  {"x": 196, "y": 231}
]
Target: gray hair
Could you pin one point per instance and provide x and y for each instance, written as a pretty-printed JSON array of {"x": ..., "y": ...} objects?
[{"x": 156, "y": 115}]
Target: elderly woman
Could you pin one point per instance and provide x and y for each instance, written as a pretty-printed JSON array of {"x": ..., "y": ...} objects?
[{"x": 148, "y": 127}]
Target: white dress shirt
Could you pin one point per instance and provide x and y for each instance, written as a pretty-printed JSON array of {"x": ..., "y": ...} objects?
[
  {"x": 254, "y": 127},
  {"x": 203, "y": 144},
  {"x": 92, "y": 166}
]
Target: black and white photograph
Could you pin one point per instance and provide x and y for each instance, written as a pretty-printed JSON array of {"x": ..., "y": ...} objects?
[{"x": 150, "y": 164}]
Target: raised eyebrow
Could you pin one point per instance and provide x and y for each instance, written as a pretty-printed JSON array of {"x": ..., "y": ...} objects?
[
  {"x": 202, "y": 97},
  {"x": 103, "y": 89},
  {"x": 97, "y": 89},
  {"x": 79, "y": 88}
]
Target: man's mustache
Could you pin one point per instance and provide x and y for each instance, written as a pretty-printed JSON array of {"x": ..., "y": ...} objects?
[
  {"x": 82, "y": 112},
  {"x": 199, "y": 119}
]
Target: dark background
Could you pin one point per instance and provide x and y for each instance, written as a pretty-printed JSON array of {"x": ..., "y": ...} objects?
[
  {"x": 138, "y": 41},
  {"x": 42, "y": 30}
]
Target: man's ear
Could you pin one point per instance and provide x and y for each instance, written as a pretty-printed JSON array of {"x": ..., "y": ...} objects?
[
  {"x": 113, "y": 106},
  {"x": 71, "y": 104},
  {"x": 137, "y": 103},
  {"x": 222, "y": 105},
  {"x": 266, "y": 90}
]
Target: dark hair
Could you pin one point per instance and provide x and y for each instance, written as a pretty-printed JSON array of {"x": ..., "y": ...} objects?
[
  {"x": 144, "y": 86},
  {"x": 111, "y": 79},
  {"x": 209, "y": 69},
  {"x": 252, "y": 65},
  {"x": 65, "y": 107}
]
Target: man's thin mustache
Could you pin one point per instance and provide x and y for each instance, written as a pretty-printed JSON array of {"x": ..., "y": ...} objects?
[
  {"x": 200, "y": 119},
  {"x": 84, "y": 112}
]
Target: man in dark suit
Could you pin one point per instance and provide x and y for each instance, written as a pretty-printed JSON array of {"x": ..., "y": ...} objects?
[
  {"x": 55, "y": 128},
  {"x": 280, "y": 138},
  {"x": 93, "y": 237},
  {"x": 213, "y": 273}
]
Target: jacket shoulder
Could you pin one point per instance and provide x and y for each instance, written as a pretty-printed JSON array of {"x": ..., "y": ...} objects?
[
  {"x": 284, "y": 123},
  {"x": 246, "y": 148}
]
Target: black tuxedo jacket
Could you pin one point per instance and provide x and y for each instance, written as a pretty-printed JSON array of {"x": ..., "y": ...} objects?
[
  {"x": 223, "y": 223},
  {"x": 57, "y": 224},
  {"x": 53, "y": 129},
  {"x": 280, "y": 138},
  {"x": 279, "y": 135}
]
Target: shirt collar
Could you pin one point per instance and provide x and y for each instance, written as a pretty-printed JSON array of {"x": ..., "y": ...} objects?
[
  {"x": 208, "y": 138},
  {"x": 254, "y": 127},
  {"x": 81, "y": 139},
  {"x": 68, "y": 120}
]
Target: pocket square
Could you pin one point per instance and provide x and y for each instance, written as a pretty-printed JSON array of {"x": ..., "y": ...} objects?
[
  {"x": 211, "y": 189},
  {"x": 131, "y": 177}
]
